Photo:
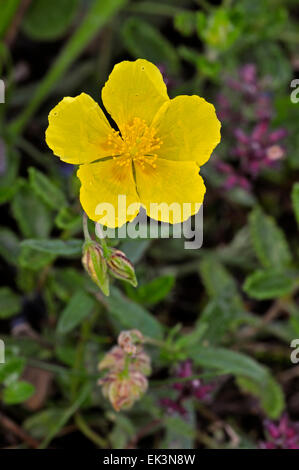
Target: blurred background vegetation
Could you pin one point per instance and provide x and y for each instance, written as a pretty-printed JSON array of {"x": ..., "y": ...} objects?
[{"x": 221, "y": 319}]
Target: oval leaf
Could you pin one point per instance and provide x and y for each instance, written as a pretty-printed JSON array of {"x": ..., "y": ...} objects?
[
  {"x": 79, "y": 307},
  {"x": 18, "y": 392},
  {"x": 131, "y": 315},
  {"x": 268, "y": 284},
  {"x": 10, "y": 303},
  {"x": 70, "y": 247}
]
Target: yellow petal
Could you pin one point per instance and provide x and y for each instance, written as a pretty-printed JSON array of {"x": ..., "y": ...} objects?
[
  {"x": 189, "y": 129},
  {"x": 170, "y": 182},
  {"x": 134, "y": 89},
  {"x": 107, "y": 191},
  {"x": 78, "y": 130}
]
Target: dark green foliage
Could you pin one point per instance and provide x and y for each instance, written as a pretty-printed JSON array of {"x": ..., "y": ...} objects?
[{"x": 230, "y": 307}]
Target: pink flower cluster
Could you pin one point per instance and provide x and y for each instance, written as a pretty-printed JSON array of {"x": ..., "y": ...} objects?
[
  {"x": 246, "y": 119},
  {"x": 281, "y": 435},
  {"x": 192, "y": 388},
  {"x": 127, "y": 366}
]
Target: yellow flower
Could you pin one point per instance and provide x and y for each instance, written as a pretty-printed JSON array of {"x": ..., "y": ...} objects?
[{"x": 153, "y": 158}]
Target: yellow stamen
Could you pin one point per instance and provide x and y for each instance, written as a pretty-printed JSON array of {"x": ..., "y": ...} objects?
[{"x": 136, "y": 143}]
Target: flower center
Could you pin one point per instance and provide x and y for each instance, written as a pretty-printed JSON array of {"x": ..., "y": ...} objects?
[{"x": 137, "y": 143}]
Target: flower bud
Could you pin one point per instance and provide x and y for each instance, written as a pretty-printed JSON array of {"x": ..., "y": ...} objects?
[
  {"x": 121, "y": 268},
  {"x": 128, "y": 365},
  {"x": 95, "y": 264},
  {"x": 114, "y": 359},
  {"x": 130, "y": 341},
  {"x": 142, "y": 363},
  {"x": 121, "y": 391}
]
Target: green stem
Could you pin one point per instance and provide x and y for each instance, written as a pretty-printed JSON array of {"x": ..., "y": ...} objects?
[
  {"x": 125, "y": 372},
  {"x": 56, "y": 369},
  {"x": 159, "y": 343},
  {"x": 8, "y": 10},
  {"x": 106, "y": 249},
  {"x": 98, "y": 15},
  {"x": 69, "y": 412},
  {"x": 85, "y": 227},
  {"x": 88, "y": 432},
  {"x": 86, "y": 329}
]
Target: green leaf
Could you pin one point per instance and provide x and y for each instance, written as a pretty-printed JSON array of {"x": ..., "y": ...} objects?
[
  {"x": 185, "y": 23},
  {"x": 203, "y": 64},
  {"x": 220, "y": 29},
  {"x": 67, "y": 219},
  {"x": 219, "y": 318},
  {"x": 226, "y": 362},
  {"x": 144, "y": 40},
  {"x": 268, "y": 240},
  {"x": 47, "y": 191},
  {"x": 241, "y": 197},
  {"x": 10, "y": 303},
  {"x": 34, "y": 260},
  {"x": 273, "y": 62},
  {"x": 223, "y": 314},
  {"x": 249, "y": 373},
  {"x": 294, "y": 321},
  {"x": 180, "y": 431},
  {"x": 197, "y": 335},
  {"x": 66, "y": 415},
  {"x": 65, "y": 282},
  {"x": 11, "y": 370},
  {"x": 269, "y": 284},
  {"x": 270, "y": 394},
  {"x": 152, "y": 292},
  {"x": 32, "y": 216},
  {"x": 72, "y": 247},
  {"x": 131, "y": 315},
  {"x": 239, "y": 252},
  {"x": 8, "y": 192},
  {"x": 215, "y": 276},
  {"x": 123, "y": 431},
  {"x": 78, "y": 308},
  {"x": 66, "y": 354},
  {"x": 42, "y": 423},
  {"x": 9, "y": 182},
  {"x": 46, "y": 20},
  {"x": 18, "y": 392},
  {"x": 219, "y": 282},
  {"x": 295, "y": 201},
  {"x": 9, "y": 245}
]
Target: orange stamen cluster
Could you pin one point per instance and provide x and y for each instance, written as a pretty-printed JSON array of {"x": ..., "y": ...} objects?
[{"x": 137, "y": 142}]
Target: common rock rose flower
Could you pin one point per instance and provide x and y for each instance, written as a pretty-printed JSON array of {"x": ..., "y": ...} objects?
[{"x": 153, "y": 157}]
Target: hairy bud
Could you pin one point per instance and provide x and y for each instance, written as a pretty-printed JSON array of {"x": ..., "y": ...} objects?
[
  {"x": 131, "y": 341},
  {"x": 95, "y": 264},
  {"x": 121, "y": 267}
]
